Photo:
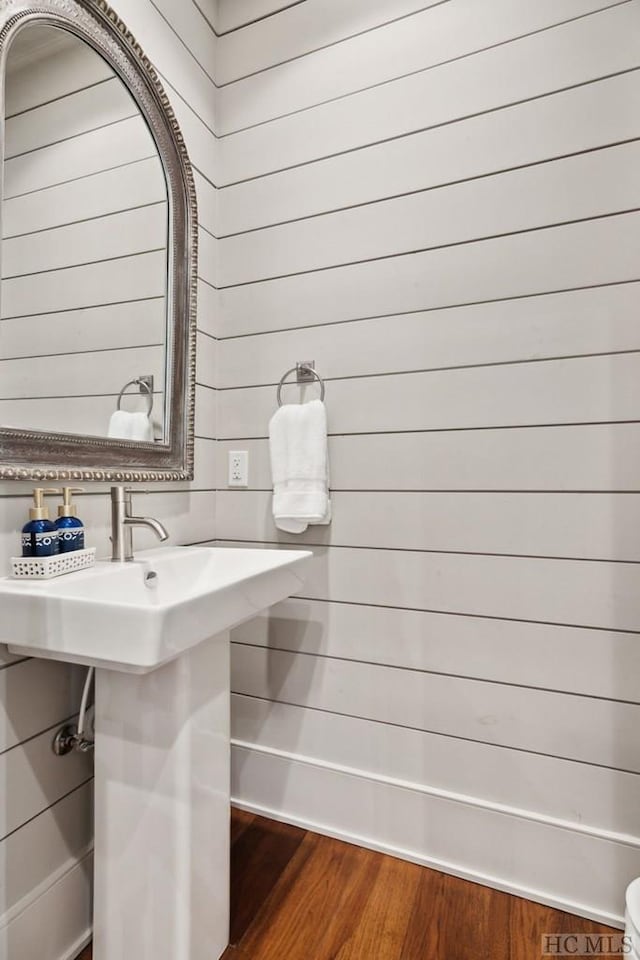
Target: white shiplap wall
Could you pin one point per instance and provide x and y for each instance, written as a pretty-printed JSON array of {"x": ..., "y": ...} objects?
[
  {"x": 45, "y": 808},
  {"x": 438, "y": 203}
]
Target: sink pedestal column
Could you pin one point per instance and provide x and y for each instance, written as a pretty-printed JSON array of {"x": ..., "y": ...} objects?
[{"x": 162, "y": 809}]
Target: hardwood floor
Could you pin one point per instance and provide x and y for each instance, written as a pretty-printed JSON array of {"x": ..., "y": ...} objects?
[{"x": 296, "y": 895}]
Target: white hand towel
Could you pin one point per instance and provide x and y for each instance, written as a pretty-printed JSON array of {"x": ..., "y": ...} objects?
[
  {"x": 300, "y": 466},
  {"x": 130, "y": 426}
]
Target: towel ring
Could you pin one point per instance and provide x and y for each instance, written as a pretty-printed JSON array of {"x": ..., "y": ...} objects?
[
  {"x": 308, "y": 374},
  {"x": 143, "y": 385}
]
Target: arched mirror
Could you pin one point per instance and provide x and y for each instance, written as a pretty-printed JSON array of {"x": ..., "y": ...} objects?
[{"x": 97, "y": 255}]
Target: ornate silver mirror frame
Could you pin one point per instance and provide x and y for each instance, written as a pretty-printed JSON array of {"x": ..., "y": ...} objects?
[{"x": 31, "y": 455}]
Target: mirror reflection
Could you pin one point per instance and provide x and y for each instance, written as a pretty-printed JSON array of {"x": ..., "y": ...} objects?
[{"x": 84, "y": 215}]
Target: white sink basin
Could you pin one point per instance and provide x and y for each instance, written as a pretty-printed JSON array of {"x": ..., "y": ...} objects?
[
  {"x": 137, "y": 616},
  {"x": 157, "y": 630}
]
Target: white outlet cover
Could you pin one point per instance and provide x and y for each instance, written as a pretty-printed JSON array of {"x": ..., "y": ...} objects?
[{"x": 238, "y": 468}]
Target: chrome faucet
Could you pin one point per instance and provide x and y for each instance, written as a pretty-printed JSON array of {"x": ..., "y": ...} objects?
[{"x": 122, "y": 523}]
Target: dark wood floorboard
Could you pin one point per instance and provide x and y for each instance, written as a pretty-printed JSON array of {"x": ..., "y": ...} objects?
[
  {"x": 296, "y": 895},
  {"x": 239, "y": 823},
  {"x": 259, "y": 856}
]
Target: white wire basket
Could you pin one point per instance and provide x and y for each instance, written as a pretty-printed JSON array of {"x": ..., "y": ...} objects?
[{"x": 46, "y": 568}]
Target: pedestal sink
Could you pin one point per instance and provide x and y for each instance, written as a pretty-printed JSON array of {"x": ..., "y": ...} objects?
[{"x": 157, "y": 630}]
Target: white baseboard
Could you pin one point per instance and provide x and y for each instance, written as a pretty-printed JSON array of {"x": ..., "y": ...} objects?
[
  {"x": 581, "y": 872},
  {"x": 54, "y": 923},
  {"x": 77, "y": 948}
]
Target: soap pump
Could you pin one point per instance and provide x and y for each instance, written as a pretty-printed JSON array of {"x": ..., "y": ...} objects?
[
  {"x": 70, "y": 528},
  {"x": 40, "y": 535}
]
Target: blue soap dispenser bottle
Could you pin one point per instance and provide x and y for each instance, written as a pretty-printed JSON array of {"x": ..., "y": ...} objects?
[
  {"x": 40, "y": 535},
  {"x": 70, "y": 528}
]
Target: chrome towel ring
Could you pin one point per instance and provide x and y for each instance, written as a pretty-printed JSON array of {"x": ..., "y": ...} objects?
[
  {"x": 305, "y": 373},
  {"x": 144, "y": 385}
]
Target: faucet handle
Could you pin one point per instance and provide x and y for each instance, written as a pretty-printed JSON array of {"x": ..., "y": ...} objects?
[{"x": 120, "y": 492}]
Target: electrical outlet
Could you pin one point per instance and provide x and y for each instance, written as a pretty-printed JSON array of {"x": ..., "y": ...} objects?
[{"x": 238, "y": 468}]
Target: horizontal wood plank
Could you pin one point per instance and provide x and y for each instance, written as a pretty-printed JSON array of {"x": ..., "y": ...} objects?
[
  {"x": 591, "y": 185},
  {"x": 439, "y": 34},
  {"x": 89, "y": 416},
  {"x": 82, "y": 374},
  {"x": 530, "y": 132},
  {"x": 592, "y": 663},
  {"x": 578, "y": 52},
  {"x": 36, "y": 779},
  {"x": 67, "y": 929},
  {"x": 95, "y": 328},
  {"x": 78, "y": 113},
  {"x": 298, "y": 30},
  {"x": 577, "y": 593},
  {"x": 233, "y": 14},
  {"x": 124, "y": 142},
  {"x": 510, "y": 395},
  {"x": 555, "y": 724},
  {"x": 522, "y": 265},
  {"x": 34, "y": 854},
  {"x": 139, "y": 277},
  {"x": 597, "y": 798},
  {"x": 600, "y": 320},
  {"x": 105, "y": 238},
  {"x": 23, "y": 715},
  {"x": 589, "y": 457},
  {"x": 586, "y": 526},
  {"x": 135, "y": 184}
]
